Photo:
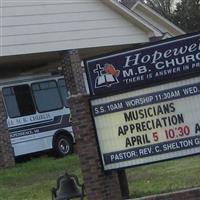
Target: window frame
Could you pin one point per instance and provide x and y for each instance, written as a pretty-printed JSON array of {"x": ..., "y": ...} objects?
[
  {"x": 5, "y": 104},
  {"x": 64, "y": 105},
  {"x": 51, "y": 80}
]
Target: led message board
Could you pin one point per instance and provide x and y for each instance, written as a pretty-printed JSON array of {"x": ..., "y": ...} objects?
[
  {"x": 164, "y": 60},
  {"x": 149, "y": 125}
]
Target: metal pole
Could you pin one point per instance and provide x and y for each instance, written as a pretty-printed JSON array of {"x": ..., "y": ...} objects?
[{"x": 123, "y": 183}]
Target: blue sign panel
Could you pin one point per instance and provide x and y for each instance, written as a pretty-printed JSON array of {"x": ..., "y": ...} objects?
[{"x": 165, "y": 60}]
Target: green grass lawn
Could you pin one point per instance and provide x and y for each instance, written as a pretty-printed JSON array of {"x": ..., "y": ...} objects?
[
  {"x": 33, "y": 180},
  {"x": 164, "y": 177}
]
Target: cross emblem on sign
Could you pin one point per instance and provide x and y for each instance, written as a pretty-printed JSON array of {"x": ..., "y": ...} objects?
[{"x": 98, "y": 70}]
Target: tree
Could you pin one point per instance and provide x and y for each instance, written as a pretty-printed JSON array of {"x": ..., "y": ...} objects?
[
  {"x": 184, "y": 13},
  {"x": 187, "y": 15}
]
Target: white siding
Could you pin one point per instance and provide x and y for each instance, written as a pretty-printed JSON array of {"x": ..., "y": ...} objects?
[{"x": 42, "y": 26}]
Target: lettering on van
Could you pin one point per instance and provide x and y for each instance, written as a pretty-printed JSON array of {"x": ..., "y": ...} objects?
[
  {"x": 24, "y": 133},
  {"x": 28, "y": 119}
]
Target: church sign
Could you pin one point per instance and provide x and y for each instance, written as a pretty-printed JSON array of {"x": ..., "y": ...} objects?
[
  {"x": 148, "y": 125},
  {"x": 164, "y": 60}
]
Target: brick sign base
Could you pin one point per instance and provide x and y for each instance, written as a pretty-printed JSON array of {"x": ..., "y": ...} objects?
[
  {"x": 6, "y": 150},
  {"x": 98, "y": 184}
]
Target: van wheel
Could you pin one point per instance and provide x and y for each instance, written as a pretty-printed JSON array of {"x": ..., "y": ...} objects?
[{"x": 62, "y": 146}]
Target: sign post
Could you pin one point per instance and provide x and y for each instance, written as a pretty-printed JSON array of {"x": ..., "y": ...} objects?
[{"x": 156, "y": 123}]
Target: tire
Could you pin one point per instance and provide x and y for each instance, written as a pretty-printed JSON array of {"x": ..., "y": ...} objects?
[{"x": 62, "y": 145}]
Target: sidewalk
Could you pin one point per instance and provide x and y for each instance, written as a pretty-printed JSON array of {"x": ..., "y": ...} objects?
[{"x": 188, "y": 194}]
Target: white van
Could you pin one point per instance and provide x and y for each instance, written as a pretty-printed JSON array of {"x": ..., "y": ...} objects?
[{"x": 38, "y": 116}]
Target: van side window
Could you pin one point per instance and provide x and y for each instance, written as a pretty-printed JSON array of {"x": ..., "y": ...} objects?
[
  {"x": 63, "y": 91},
  {"x": 46, "y": 96},
  {"x": 18, "y": 101}
]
